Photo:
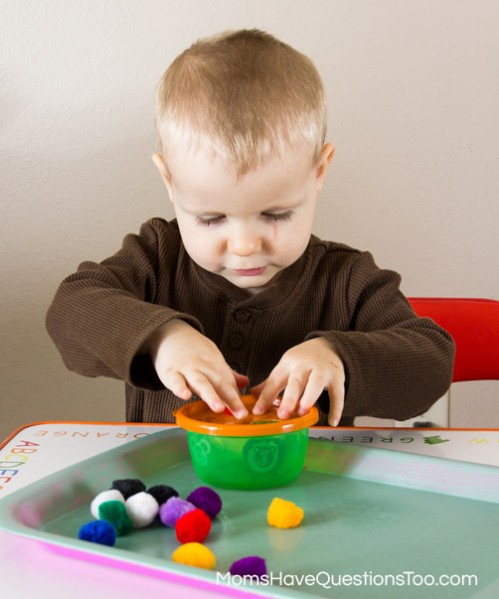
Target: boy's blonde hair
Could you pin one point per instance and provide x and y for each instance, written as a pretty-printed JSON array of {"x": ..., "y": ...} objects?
[{"x": 242, "y": 95}]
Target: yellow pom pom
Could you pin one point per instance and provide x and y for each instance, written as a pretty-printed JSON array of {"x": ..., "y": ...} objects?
[
  {"x": 284, "y": 514},
  {"x": 194, "y": 554}
]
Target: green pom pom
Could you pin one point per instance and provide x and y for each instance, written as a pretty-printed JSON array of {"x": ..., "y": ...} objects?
[{"x": 115, "y": 513}]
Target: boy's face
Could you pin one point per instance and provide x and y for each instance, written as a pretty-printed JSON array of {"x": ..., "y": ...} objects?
[{"x": 244, "y": 229}]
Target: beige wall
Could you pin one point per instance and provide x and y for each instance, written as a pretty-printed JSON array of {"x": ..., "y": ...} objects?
[{"x": 413, "y": 90}]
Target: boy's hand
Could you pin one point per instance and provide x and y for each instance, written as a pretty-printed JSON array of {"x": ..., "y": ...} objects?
[
  {"x": 187, "y": 362},
  {"x": 303, "y": 372}
]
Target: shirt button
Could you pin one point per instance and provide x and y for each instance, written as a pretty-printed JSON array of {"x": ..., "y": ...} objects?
[
  {"x": 236, "y": 341},
  {"x": 242, "y": 315}
]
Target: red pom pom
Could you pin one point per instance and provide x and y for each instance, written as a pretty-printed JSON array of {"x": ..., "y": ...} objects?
[{"x": 193, "y": 527}]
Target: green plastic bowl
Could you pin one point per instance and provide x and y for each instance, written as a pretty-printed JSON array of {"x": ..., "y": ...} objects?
[{"x": 259, "y": 452}]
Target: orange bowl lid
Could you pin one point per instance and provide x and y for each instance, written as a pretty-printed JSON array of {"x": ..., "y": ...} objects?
[{"x": 197, "y": 417}]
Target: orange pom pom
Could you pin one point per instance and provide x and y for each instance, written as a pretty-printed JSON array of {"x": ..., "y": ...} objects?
[{"x": 193, "y": 527}]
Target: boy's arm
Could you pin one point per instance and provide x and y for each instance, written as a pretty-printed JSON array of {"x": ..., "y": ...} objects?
[
  {"x": 396, "y": 364},
  {"x": 103, "y": 314},
  {"x": 383, "y": 361},
  {"x": 106, "y": 320}
]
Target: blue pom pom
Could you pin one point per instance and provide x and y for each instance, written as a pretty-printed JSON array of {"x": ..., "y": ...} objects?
[{"x": 98, "y": 531}]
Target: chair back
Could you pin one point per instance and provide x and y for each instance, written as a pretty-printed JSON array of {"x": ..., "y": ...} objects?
[{"x": 474, "y": 325}]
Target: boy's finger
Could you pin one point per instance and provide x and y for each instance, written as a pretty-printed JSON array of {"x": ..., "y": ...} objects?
[
  {"x": 202, "y": 387},
  {"x": 336, "y": 392},
  {"x": 241, "y": 379},
  {"x": 232, "y": 400},
  {"x": 177, "y": 385},
  {"x": 293, "y": 392},
  {"x": 315, "y": 386},
  {"x": 257, "y": 389},
  {"x": 269, "y": 390}
]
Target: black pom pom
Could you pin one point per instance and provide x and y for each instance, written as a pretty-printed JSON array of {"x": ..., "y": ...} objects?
[
  {"x": 128, "y": 486},
  {"x": 162, "y": 493}
]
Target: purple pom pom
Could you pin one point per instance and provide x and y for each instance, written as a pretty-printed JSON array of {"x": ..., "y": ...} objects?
[
  {"x": 249, "y": 566},
  {"x": 206, "y": 499},
  {"x": 98, "y": 531},
  {"x": 173, "y": 509}
]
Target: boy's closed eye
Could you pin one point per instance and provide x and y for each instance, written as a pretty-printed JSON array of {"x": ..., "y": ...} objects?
[
  {"x": 209, "y": 220},
  {"x": 278, "y": 216},
  {"x": 270, "y": 216}
]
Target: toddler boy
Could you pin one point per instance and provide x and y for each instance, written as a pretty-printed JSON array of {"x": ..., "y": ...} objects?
[{"x": 236, "y": 293}]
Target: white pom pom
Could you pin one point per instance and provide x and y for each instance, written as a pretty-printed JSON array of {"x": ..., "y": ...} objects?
[
  {"x": 142, "y": 508},
  {"x": 111, "y": 495}
]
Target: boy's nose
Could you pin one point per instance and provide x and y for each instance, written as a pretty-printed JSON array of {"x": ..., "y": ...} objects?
[{"x": 244, "y": 245}]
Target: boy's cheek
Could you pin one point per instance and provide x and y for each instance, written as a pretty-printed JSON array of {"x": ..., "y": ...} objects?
[
  {"x": 202, "y": 252},
  {"x": 294, "y": 242}
]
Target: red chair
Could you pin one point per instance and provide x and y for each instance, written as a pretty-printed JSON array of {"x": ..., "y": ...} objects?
[{"x": 474, "y": 326}]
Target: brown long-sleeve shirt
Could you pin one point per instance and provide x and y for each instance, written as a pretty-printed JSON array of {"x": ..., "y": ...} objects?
[{"x": 396, "y": 364}]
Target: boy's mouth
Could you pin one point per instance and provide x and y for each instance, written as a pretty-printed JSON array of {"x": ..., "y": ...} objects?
[{"x": 248, "y": 272}]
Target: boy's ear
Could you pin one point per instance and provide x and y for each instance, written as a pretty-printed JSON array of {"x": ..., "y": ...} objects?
[
  {"x": 325, "y": 159},
  {"x": 160, "y": 163}
]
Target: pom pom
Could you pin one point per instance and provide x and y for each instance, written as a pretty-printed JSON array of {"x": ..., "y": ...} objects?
[
  {"x": 112, "y": 495},
  {"x": 284, "y": 514},
  {"x": 98, "y": 531},
  {"x": 249, "y": 566},
  {"x": 194, "y": 554},
  {"x": 115, "y": 513},
  {"x": 142, "y": 508},
  {"x": 128, "y": 486},
  {"x": 162, "y": 493},
  {"x": 206, "y": 499},
  {"x": 194, "y": 526},
  {"x": 173, "y": 509}
]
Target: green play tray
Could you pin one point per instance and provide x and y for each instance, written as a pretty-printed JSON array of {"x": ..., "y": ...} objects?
[{"x": 377, "y": 523}]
